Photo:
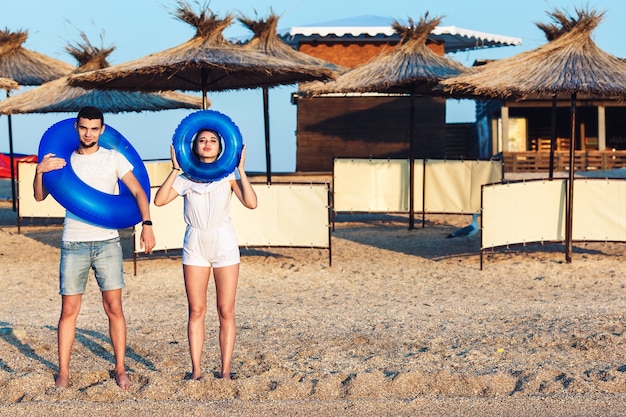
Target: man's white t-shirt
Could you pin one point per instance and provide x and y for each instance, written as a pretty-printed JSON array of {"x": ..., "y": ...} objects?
[{"x": 100, "y": 170}]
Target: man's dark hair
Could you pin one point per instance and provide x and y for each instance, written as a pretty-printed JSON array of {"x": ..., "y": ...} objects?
[{"x": 91, "y": 113}]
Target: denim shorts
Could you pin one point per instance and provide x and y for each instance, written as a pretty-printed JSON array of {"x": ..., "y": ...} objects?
[{"x": 77, "y": 258}]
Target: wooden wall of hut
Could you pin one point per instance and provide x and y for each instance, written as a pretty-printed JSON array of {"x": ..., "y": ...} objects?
[
  {"x": 461, "y": 141},
  {"x": 364, "y": 127},
  {"x": 351, "y": 54}
]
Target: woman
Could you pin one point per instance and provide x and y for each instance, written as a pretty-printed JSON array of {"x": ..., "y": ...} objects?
[{"x": 210, "y": 243}]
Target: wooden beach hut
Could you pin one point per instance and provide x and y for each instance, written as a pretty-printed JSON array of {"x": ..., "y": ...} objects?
[{"x": 352, "y": 125}]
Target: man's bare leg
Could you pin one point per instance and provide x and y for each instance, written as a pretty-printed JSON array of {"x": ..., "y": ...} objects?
[
  {"x": 66, "y": 333},
  {"x": 112, "y": 301}
]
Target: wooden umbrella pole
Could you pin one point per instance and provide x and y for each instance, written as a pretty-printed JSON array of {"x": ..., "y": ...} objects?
[
  {"x": 12, "y": 162},
  {"x": 204, "y": 74},
  {"x": 552, "y": 136},
  {"x": 411, "y": 164},
  {"x": 266, "y": 122},
  {"x": 570, "y": 193}
]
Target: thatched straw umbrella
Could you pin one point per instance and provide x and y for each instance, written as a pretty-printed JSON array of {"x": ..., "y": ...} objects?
[
  {"x": 58, "y": 96},
  {"x": 207, "y": 62},
  {"x": 411, "y": 68},
  {"x": 561, "y": 24},
  {"x": 26, "y": 67},
  {"x": 266, "y": 40},
  {"x": 570, "y": 64}
]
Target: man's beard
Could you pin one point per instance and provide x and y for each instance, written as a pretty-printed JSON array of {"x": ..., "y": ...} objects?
[{"x": 88, "y": 145}]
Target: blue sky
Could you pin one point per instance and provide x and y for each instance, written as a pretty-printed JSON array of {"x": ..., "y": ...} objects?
[{"x": 139, "y": 27}]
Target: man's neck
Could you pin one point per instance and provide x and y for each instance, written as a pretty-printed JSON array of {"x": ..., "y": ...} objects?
[{"x": 82, "y": 150}]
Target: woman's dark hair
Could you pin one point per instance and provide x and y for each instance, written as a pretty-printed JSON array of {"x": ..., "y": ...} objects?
[{"x": 194, "y": 142}]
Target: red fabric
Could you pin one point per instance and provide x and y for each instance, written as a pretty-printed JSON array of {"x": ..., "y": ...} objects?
[{"x": 5, "y": 163}]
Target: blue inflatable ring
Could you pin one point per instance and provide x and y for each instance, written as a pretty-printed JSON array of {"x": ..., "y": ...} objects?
[
  {"x": 232, "y": 146},
  {"x": 108, "y": 210}
]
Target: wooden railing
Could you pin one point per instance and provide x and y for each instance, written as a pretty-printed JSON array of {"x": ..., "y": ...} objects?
[{"x": 583, "y": 161}]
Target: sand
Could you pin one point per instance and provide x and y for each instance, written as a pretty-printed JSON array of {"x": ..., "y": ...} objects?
[{"x": 404, "y": 322}]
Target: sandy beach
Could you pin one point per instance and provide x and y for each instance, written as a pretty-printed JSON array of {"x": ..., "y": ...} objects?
[{"x": 403, "y": 323}]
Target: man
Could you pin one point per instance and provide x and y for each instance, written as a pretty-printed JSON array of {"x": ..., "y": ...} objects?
[{"x": 88, "y": 246}]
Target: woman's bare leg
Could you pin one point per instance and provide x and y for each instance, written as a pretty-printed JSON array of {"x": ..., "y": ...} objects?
[
  {"x": 196, "y": 283},
  {"x": 226, "y": 279}
]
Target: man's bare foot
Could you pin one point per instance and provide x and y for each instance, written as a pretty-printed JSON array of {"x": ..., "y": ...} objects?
[
  {"x": 195, "y": 377},
  {"x": 122, "y": 380},
  {"x": 225, "y": 375},
  {"x": 62, "y": 381}
]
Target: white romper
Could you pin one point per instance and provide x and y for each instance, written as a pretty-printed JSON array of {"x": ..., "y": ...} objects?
[{"x": 210, "y": 238}]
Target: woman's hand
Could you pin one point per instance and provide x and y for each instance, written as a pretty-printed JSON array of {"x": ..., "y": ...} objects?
[
  {"x": 173, "y": 156},
  {"x": 242, "y": 160}
]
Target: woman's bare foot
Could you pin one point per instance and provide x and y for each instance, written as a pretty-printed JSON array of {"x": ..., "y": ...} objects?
[
  {"x": 225, "y": 375},
  {"x": 122, "y": 380},
  {"x": 62, "y": 381},
  {"x": 195, "y": 377}
]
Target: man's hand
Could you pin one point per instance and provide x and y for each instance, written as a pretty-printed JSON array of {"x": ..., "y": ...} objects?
[
  {"x": 147, "y": 240},
  {"x": 49, "y": 163}
]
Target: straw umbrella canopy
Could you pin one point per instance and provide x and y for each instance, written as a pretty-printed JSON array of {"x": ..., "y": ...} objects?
[
  {"x": 206, "y": 62},
  {"x": 59, "y": 96},
  {"x": 266, "y": 40},
  {"x": 410, "y": 68},
  {"x": 27, "y": 68},
  {"x": 570, "y": 64}
]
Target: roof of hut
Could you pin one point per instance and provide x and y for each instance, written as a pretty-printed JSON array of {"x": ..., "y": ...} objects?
[{"x": 369, "y": 28}]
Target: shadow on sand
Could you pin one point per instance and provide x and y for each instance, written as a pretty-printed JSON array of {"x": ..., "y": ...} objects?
[{"x": 428, "y": 239}]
